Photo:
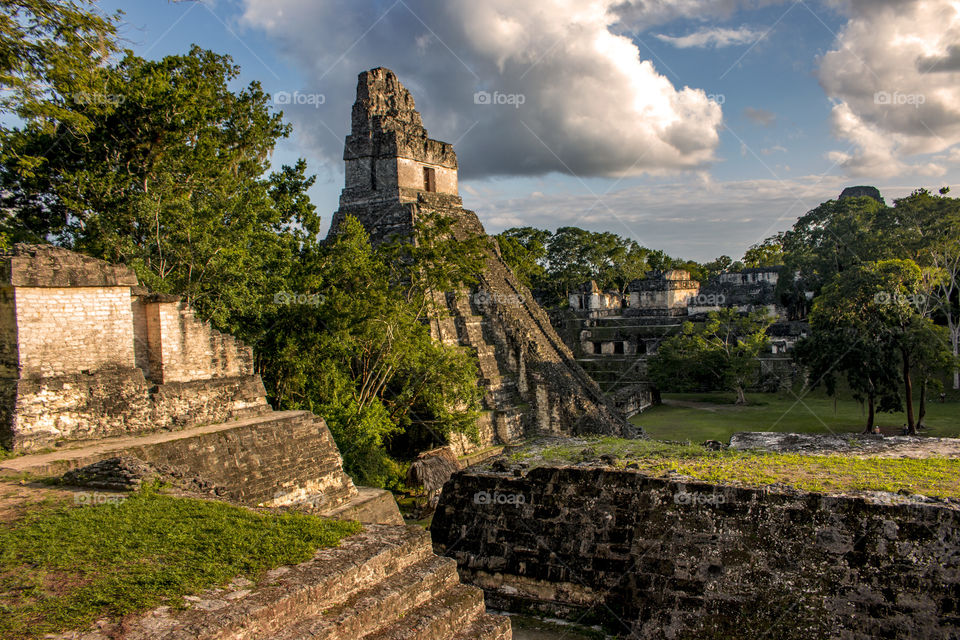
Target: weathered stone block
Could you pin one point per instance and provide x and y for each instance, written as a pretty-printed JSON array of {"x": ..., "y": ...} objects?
[{"x": 726, "y": 562}]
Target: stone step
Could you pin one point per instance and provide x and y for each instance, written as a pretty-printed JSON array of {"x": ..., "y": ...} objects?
[
  {"x": 380, "y": 605},
  {"x": 439, "y": 619},
  {"x": 487, "y": 627}
]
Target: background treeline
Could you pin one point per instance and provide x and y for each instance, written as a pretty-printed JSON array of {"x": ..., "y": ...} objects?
[{"x": 553, "y": 264}]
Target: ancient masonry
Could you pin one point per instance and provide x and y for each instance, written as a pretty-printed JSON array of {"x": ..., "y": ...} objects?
[
  {"x": 87, "y": 355},
  {"x": 611, "y": 333},
  {"x": 117, "y": 379},
  {"x": 673, "y": 558},
  {"x": 395, "y": 176},
  {"x": 382, "y": 584}
]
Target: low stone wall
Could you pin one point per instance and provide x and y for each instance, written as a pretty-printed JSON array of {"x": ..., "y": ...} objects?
[
  {"x": 39, "y": 412},
  {"x": 658, "y": 558},
  {"x": 285, "y": 458}
]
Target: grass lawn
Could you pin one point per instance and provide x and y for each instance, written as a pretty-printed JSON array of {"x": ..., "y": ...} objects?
[
  {"x": 63, "y": 566},
  {"x": 696, "y": 417},
  {"x": 934, "y": 477}
]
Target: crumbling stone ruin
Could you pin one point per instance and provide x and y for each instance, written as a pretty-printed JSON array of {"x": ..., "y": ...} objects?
[
  {"x": 384, "y": 583},
  {"x": 861, "y": 192},
  {"x": 127, "y": 473},
  {"x": 675, "y": 558},
  {"x": 611, "y": 334},
  {"x": 131, "y": 388},
  {"x": 666, "y": 293},
  {"x": 85, "y": 352},
  {"x": 397, "y": 175},
  {"x": 93, "y": 363}
]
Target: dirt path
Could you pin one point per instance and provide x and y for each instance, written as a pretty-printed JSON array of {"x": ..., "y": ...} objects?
[{"x": 16, "y": 498}]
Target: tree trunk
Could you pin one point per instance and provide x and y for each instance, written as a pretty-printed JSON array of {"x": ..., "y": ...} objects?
[
  {"x": 908, "y": 389},
  {"x": 922, "y": 409},
  {"x": 741, "y": 398},
  {"x": 870, "y": 414},
  {"x": 955, "y": 347}
]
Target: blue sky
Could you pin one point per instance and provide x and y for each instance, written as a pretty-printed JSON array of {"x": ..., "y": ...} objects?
[{"x": 695, "y": 126}]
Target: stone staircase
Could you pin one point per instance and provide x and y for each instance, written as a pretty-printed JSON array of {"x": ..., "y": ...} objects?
[
  {"x": 279, "y": 459},
  {"x": 384, "y": 583},
  {"x": 504, "y": 420}
]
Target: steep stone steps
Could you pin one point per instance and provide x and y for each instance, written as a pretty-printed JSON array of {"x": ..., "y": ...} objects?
[
  {"x": 380, "y": 604},
  {"x": 488, "y": 627},
  {"x": 278, "y": 459},
  {"x": 439, "y": 619}
]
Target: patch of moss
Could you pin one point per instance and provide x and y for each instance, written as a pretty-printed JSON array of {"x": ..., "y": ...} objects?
[
  {"x": 64, "y": 566},
  {"x": 937, "y": 477}
]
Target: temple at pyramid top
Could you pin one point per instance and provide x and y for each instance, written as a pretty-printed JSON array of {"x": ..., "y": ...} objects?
[{"x": 388, "y": 155}]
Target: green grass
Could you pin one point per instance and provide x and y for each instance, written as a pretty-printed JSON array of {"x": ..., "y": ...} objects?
[
  {"x": 816, "y": 413},
  {"x": 934, "y": 477},
  {"x": 63, "y": 567}
]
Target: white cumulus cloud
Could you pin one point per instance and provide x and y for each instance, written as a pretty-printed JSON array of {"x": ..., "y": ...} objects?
[
  {"x": 591, "y": 104},
  {"x": 895, "y": 83},
  {"x": 713, "y": 37}
]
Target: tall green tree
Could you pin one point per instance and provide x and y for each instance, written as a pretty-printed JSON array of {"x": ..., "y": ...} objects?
[
  {"x": 52, "y": 54},
  {"x": 525, "y": 250},
  {"x": 768, "y": 253},
  {"x": 835, "y": 236},
  {"x": 360, "y": 354},
  {"x": 926, "y": 228},
  {"x": 869, "y": 367},
  {"x": 880, "y": 304},
  {"x": 172, "y": 180},
  {"x": 720, "y": 354}
]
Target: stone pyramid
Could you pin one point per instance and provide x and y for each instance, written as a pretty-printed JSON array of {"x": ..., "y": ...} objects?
[{"x": 396, "y": 175}]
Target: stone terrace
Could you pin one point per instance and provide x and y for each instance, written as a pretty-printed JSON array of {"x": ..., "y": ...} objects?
[{"x": 382, "y": 584}]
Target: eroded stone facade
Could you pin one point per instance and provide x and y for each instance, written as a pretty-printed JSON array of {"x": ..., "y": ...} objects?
[
  {"x": 669, "y": 558},
  {"x": 86, "y": 353}
]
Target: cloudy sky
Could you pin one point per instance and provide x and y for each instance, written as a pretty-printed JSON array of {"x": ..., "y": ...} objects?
[{"x": 695, "y": 126}]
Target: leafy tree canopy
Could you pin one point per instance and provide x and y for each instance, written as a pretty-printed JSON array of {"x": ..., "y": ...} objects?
[{"x": 720, "y": 354}]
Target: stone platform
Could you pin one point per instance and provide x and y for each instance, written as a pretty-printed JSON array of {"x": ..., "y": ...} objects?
[
  {"x": 658, "y": 558},
  {"x": 382, "y": 584},
  {"x": 284, "y": 458},
  {"x": 849, "y": 444}
]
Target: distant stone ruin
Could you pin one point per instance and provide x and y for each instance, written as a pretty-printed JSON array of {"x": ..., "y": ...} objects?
[
  {"x": 611, "y": 334},
  {"x": 397, "y": 175},
  {"x": 862, "y": 192}
]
